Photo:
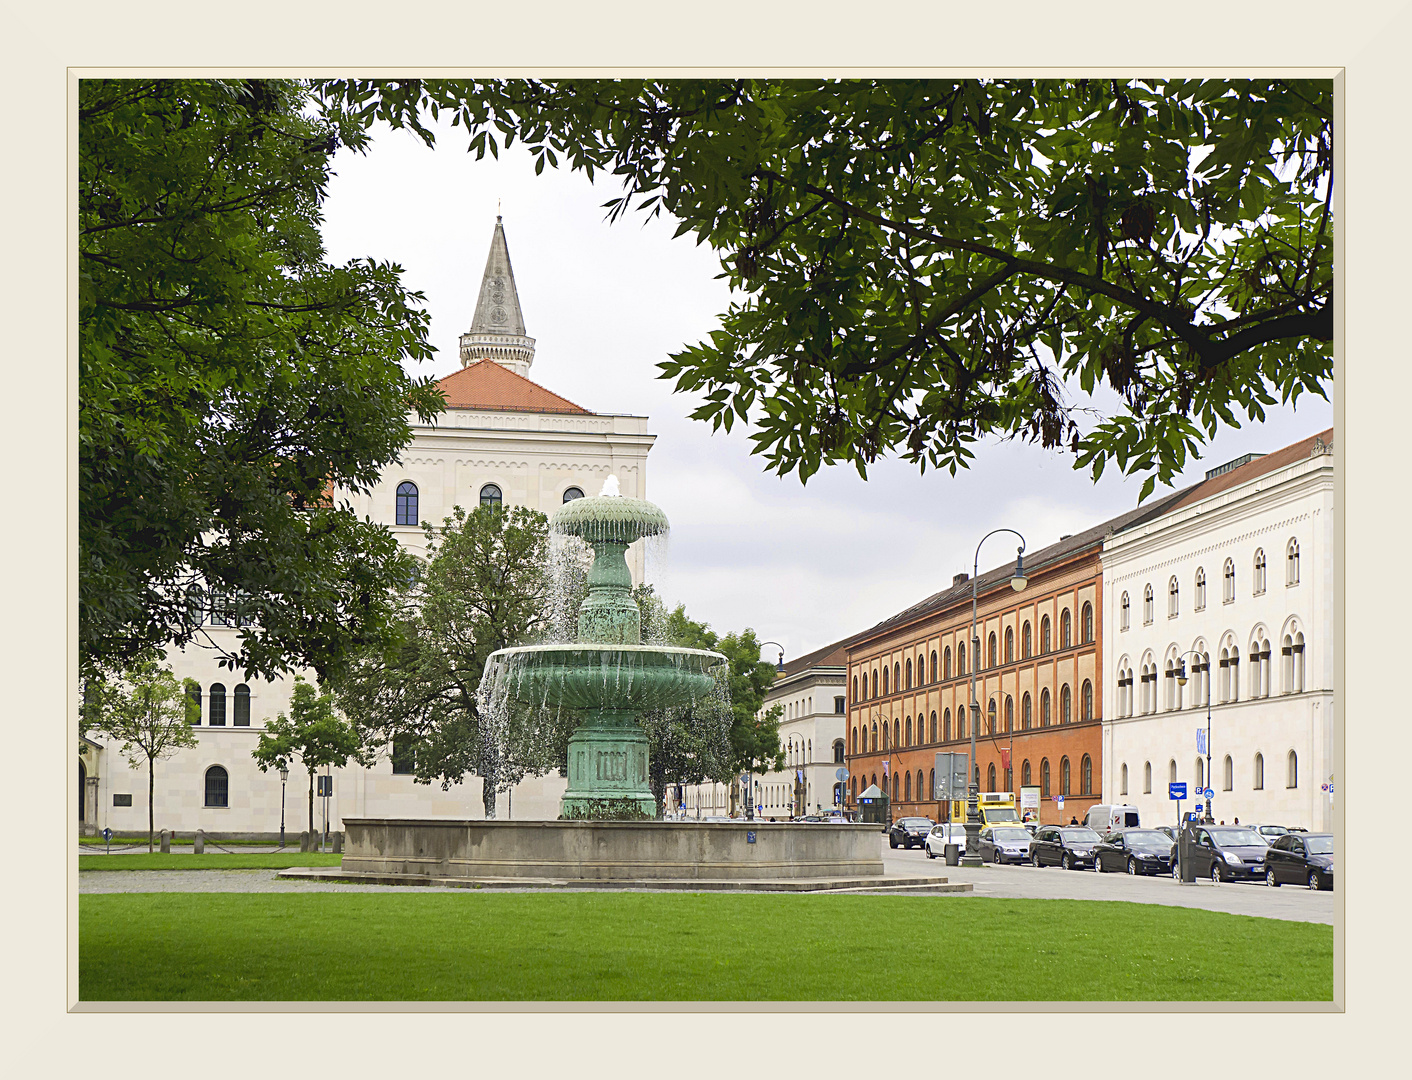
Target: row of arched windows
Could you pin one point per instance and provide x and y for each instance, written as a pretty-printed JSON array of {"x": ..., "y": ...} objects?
[
  {"x": 490, "y": 495},
  {"x": 1228, "y": 586},
  {"x": 904, "y": 675},
  {"x": 1142, "y": 698},
  {"x": 902, "y": 783},
  {"x": 1257, "y": 773},
  {"x": 216, "y": 706},
  {"x": 903, "y": 733}
]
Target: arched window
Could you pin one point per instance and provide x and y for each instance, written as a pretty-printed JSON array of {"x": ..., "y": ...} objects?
[
  {"x": 1200, "y": 773},
  {"x": 1045, "y": 642},
  {"x": 909, "y": 732},
  {"x": 1147, "y": 605},
  {"x": 1026, "y": 712},
  {"x": 1044, "y": 708},
  {"x": 934, "y": 668},
  {"x": 855, "y": 688},
  {"x": 946, "y": 663},
  {"x": 946, "y": 725},
  {"x": 1009, "y": 713},
  {"x": 897, "y": 678},
  {"x": 1025, "y": 774},
  {"x": 1147, "y": 778},
  {"x": 876, "y": 691},
  {"x": 572, "y": 493},
  {"x": 838, "y": 751},
  {"x": 1066, "y": 715},
  {"x": 931, "y": 786},
  {"x": 1259, "y": 575},
  {"x": 1228, "y": 583},
  {"x": 1044, "y": 777},
  {"x": 875, "y": 736},
  {"x": 855, "y": 789},
  {"x": 217, "y": 786},
  {"x": 1064, "y": 775},
  {"x": 853, "y": 742},
  {"x": 216, "y": 711},
  {"x": 193, "y": 703},
  {"x": 1292, "y": 562},
  {"x": 1124, "y": 774},
  {"x": 1066, "y": 629},
  {"x": 960, "y": 659},
  {"x": 1086, "y": 776},
  {"x": 907, "y": 787},
  {"x": 1228, "y": 774},
  {"x": 1173, "y": 607},
  {"x": 1009, "y": 644},
  {"x": 407, "y": 513},
  {"x": 490, "y": 495},
  {"x": 1086, "y": 701},
  {"x": 1087, "y": 628},
  {"x": 909, "y": 673},
  {"x": 1200, "y": 604},
  {"x": 991, "y": 652},
  {"x": 1124, "y": 612},
  {"x": 887, "y": 735},
  {"x": 896, "y": 733},
  {"x": 990, "y": 777},
  {"x": 990, "y": 717},
  {"x": 1172, "y": 770},
  {"x": 932, "y": 730},
  {"x": 895, "y": 792},
  {"x": 1292, "y": 771},
  {"x": 242, "y": 706},
  {"x": 921, "y": 670},
  {"x": 885, "y": 690},
  {"x": 1026, "y": 641},
  {"x": 961, "y": 711},
  {"x": 1259, "y": 772}
]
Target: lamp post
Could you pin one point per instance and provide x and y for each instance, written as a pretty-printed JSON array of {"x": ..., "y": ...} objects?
[
  {"x": 1018, "y": 581},
  {"x": 283, "y": 776},
  {"x": 779, "y": 664},
  {"x": 1205, "y": 662}
]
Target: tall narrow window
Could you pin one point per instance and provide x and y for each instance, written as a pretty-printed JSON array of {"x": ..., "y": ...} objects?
[
  {"x": 934, "y": 668},
  {"x": 1292, "y": 771},
  {"x": 193, "y": 703},
  {"x": 1259, "y": 574},
  {"x": 1044, "y": 777},
  {"x": 242, "y": 706},
  {"x": 855, "y": 688},
  {"x": 990, "y": 778},
  {"x": 853, "y": 742},
  {"x": 907, "y": 787},
  {"x": 1066, "y": 713},
  {"x": 217, "y": 786},
  {"x": 884, "y": 682},
  {"x": 1172, "y": 769},
  {"x": 1200, "y": 604},
  {"x": 403, "y": 763},
  {"x": 990, "y": 650},
  {"x": 1026, "y": 712},
  {"x": 909, "y": 732},
  {"x": 217, "y": 705},
  {"x": 1147, "y": 605},
  {"x": 1086, "y": 776},
  {"x": 1026, "y": 644},
  {"x": 1045, "y": 641},
  {"x": 490, "y": 496},
  {"x": 909, "y": 673},
  {"x": 407, "y": 512},
  {"x": 1124, "y": 612},
  {"x": 1200, "y": 773},
  {"x": 1087, "y": 629},
  {"x": 1228, "y": 774},
  {"x": 1172, "y": 607},
  {"x": 1066, "y": 635},
  {"x": 1086, "y": 701},
  {"x": 1292, "y": 562},
  {"x": 960, "y": 659},
  {"x": 990, "y": 718},
  {"x": 945, "y": 725},
  {"x": 1025, "y": 775},
  {"x": 931, "y": 785},
  {"x": 1009, "y": 713},
  {"x": 1064, "y": 775},
  {"x": 1044, "y": 708},
  {"x": 897, "y": 678},
  {"x": 1147, "y": 778},
  {"x": 1228, "y": 583},
  {"x": 1124, "y": 775},
  {"x": 1259, "y": 772}
]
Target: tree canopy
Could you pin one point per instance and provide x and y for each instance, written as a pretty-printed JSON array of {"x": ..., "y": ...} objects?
[
  {"x": 928, "y": 263},
  {"x": 230, "y": 379}
]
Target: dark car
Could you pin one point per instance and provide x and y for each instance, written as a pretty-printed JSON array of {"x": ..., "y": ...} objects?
[
  {"x": 1225, "y": 853},
  {"x": 1002, "y": 844},
  {"x": 1138, "y": 851},
  {"x": 1069, "y": 846},
  {"x": 909, "y": 832},
  {"x": 1301, "y": 859}
]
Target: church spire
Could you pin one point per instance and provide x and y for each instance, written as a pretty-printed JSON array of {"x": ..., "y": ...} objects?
[{"x": 498, "y": 328}]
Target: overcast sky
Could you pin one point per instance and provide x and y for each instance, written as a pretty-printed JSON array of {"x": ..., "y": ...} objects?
[{"x": 804, "y": 565}]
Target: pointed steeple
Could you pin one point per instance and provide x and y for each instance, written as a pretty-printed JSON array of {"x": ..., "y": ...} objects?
[{"x": 498, "y": 328}]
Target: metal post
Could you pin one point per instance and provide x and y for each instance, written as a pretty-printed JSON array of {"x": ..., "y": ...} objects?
[{"x": 283, "y": 776}]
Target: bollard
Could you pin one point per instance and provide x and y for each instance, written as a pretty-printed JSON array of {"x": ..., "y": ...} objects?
[
  {"x": 198, "y": 842},
  {"x": 304, "y": 843},
  {"x": 166, "y": 842},
  {"x": 338, "y": 843}
]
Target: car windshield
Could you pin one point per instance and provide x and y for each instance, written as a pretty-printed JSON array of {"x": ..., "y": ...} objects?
[
  {"x": 1009, "y": 836},
  {"x": 1081, "y": 835},
  {"x": 916, "y": 822},
  {"x": 1238, "y": 838},
  {"x": 1273, "y": 830},
  {"x": 1148, "y": 840},
  {"x": 1319, "y": 845},
  {"x": 1001, "y": 814}
]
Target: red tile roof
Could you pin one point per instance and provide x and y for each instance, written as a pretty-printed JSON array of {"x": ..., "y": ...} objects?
[
  {"x": 1279, "y": 459},
  {"x": 486, "y": 385}
]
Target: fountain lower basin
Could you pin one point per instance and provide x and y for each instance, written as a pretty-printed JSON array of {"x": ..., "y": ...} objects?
[{"x": 600, "y": 676}]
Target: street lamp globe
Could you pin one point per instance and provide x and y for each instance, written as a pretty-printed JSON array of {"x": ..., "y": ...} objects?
[
  {"x": 283, "y": 775},
  {"x": 1018, "y": 581}
]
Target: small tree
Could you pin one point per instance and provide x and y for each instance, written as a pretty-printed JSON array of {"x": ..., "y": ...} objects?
[
  {"x": 145, "y": 713},
  {"x": 313, "y": 734}
]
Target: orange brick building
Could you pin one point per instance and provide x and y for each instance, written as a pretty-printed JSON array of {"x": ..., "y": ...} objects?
[{"x": 1039, "y": 683}]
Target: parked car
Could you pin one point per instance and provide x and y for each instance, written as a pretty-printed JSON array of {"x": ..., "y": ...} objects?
[
  {"x": 1171, "y": 832},
  {"x": 1269, "y": 832},
  {"x": 1301, "y": 859},
  {"x": 909, "y": 832},
  {"x": 1138, "y": 851},
  {"x": 941, "y": 835},
  {"x": 1225, "y": 853},
  {"x": 1005, "y": 844},
  {"x": 1104, "y": 819},
  {"x": 1069, "y": 846}
]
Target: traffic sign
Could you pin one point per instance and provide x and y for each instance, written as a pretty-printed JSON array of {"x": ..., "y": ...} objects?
[
  {"x": 1060, "y": 800},
  {"x": 841, "y": 774},
  {"x": 1199, "y": 808},
  {"x": 1176, "y": 790},
  {"x": 1209, "y": 793}
]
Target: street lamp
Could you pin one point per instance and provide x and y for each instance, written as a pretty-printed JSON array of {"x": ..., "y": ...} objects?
[
  {"x": 1205, "y": 662},
  {"x": 283, "y": 776},
  {"x": 779, "y": 664},
  {"x": 1018, "y": 581}
]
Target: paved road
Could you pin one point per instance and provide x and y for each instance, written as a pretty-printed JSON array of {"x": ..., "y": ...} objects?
[{"x": 1025, "y": 882}]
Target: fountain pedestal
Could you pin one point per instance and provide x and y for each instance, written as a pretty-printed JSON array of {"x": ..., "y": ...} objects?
[{"x": 608, "y": 768}]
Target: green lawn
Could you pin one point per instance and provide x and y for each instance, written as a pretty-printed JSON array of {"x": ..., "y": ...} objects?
[
  {"x": 207, "y": 861},
  {"x": 478, "y": 946}
]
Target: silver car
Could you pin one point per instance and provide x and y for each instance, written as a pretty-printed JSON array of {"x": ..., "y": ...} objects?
[{"x": 1005, "y": 844}]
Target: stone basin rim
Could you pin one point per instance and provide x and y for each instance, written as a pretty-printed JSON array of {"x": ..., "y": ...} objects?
[{"x": 608, "y": 647}]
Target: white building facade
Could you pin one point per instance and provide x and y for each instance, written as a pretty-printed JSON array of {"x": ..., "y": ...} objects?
[
  {"x": 503, "y": 438},
  {"x": 1232, "y": 586}
]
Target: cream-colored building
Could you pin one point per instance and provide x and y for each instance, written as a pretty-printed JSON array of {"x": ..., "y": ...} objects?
[
  {"x": 503, "y": 437},
  {"x": 1234, "y": 585}
]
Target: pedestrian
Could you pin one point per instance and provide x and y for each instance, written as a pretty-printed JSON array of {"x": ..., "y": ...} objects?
[
  {"x": 1237, "y": 821},
  {"x": 1073, "y": 821},
  {"x": 1223, "y": 821}
]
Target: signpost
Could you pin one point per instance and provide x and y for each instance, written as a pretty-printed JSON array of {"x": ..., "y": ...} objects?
[
  {"x": 107, "y": 840},
  {"x": 1177, "y": 792},
  {"x": 325, "y": 792}
]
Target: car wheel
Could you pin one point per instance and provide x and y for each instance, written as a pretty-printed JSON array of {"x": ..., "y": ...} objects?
[
  {"x": 1270, "y": 878},
  {"x": 892, "y": 842},
  {"x": 1098, "y": 864},
  {"x": 1216, "y": 872},
  {"x": 1314, "y": 882},
  {"x": 1068, "y": 862},
  {"x": 929, "y": 852},
  {"x": 1132, "y": 867},
  {"x": 1034, "y": 859}
]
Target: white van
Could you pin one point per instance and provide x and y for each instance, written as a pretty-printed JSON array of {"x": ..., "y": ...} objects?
[{"x": 1106, "y": 819}]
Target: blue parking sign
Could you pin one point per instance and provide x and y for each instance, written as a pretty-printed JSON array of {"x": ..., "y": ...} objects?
[{"x": 1176, "y": 791}]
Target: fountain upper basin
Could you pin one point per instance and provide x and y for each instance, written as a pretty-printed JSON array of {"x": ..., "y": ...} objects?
[{"x": 604, "y": 676}]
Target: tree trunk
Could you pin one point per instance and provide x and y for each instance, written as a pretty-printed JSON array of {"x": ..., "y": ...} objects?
[
  {"x": 151, "y": 786},
  {"x": 311, "y": 803}
]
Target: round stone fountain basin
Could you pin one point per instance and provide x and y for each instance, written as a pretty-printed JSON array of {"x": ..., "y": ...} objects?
[{"x": 597, "y": 676}]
